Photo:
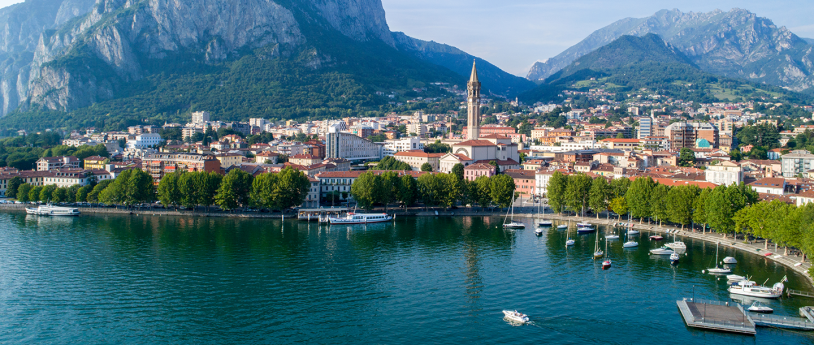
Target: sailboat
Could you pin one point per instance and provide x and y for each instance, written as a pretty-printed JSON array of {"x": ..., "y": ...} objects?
[
  {"x": 718, "y": 270},
  {"x": 512, "y": 224},
  {"x": 598, "y": 253},
  {"x": 607, "y": 263},
  {"x": 543, "y": 223},
  {"x": 678, "y": 246},
  {"x": 569, "y": 241},
  {"x": 612, "y": 236},
  {"x": 630, "y": 243}
]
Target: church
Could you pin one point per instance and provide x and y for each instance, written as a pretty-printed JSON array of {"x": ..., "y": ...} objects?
[{"x": 476, "y": 148}]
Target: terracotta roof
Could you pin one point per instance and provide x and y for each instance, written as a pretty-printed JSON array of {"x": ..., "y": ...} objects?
[
  {"x": 614, "y": 140},
  {"x": 520, "y": 174},
  {"x": 769, "y": 182},
  {"x": 479, "y": 166},
  {"x": 418, "y": 153},
  {"x": 268, "y": 154},
  {"x": 476, "y": 143},
  {"x": 303, "y": 156}
]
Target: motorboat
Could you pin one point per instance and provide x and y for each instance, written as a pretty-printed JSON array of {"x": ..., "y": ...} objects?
[
  {"x": 612, "y": 237},
  {"x": 515, "y": 316},
  {"x": 664, "y": 250},
  {"x": 606, "y": 264},
  {"x": 360, "y": 218},
  {"x": 716, "y": 269},
  {"x": 750, "y": 288},
  {"x": 656, "y": 238},
  {"x": 562, "y": 227},
  {"x": 570, "y": 242},
  {"x": 674, "y": 258},
  {"x": 49, "y": 210},
  {"x": 545, "y": 223},
  {"x": 734, "y": 277},
  {"x": 730, "y": 260},
  {"x": 758, "y": 307},
  {"x": 633, "y": 232},
  {"x": 677, "y": 245},
  {"x": 538, "y": 232}
]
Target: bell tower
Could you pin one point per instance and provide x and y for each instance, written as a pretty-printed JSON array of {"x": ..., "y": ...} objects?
[{"x": 473, "y": 106}]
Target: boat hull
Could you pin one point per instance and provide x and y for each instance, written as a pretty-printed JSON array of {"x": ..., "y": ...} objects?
[
  {"x": 585, "y": 231},
  {"x": 753, "y": 294}
]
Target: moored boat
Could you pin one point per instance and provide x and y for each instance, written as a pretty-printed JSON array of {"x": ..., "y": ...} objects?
[
  {"x": 750, "y": 288},
  {"x": 48, "y": 210},
  {"x": 538, "y": 232},
  {"x": 758, "y": 307},
  {"x": 515, "y": 316},
  {"x": 730, "y": 260},
  {"x": 361, "y": 218},
  {"x": 562, "y": 227},
  {"x": 674, "y": 257},
  {"x": 664, "y": 250},
  {"x": 656, "y": 238},
  {"x": 716, "y": 269}
]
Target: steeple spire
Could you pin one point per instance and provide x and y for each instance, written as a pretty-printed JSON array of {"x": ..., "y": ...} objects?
[{"x": 474, "y": 76}]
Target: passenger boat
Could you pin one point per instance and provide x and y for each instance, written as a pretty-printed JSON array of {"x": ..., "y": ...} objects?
[
  {"x": 664, "y": 250},
  {"x": 48, "y": 210},
  {"x": 515, "y": 316},
  {"x": 730, "y": 260},
  {"x": 674, "y": 257},
  {"x": 750, "y": 288},
  {"x": 758, "y": 307},
  {"x": 361, "y": 218}
]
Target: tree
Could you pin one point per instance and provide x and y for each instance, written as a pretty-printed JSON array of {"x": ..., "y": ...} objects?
[
  {"x": 452, "y": 189},
  {"x": 93, "y": 196},
  {"x": 619, "y": 206},
  {"x": 263, "y": 191},
  {"x": 658, "y": 203},
  {"x": 686, "y": 158},
  {"x": 408, "y": 190},
  {"x": 556, "y": 191},
  {"x": 139, "y": 188},
  {"x": 34, "y": 193},
  {"x": 22, "y": 192},
  {"x": 82, "y": 193},
  {"x": 234, "y": 190},
  {"x": 577, "y": 192},
  {"x": 619, "y": 186},
  {"x": 293, "y": 186},
  {"x": 699, "y": 214},
  {"x": 497, "y": 167},
  {"x": 600, "y": 195},
  {"x": 59, "y": 195},
  {"x": 638, "y": 197},
  {"x": 430, "y": 189},
  {"x": 169, "y": 191},
  {"x": 390, "y": 163},
  {"x": 680, "y": 203},
  {"x": 483, "y": 188},
  {"x": 458, "y": 170},
  {"x": 723, "y": 203},
  {"x": 13, "y": 185},
  {"x": 115, "y": 193},
  {"x": 502, "y": 190},
  {"x": 426, "y": 167},
  {"x": 71, "y": 193},
  {"x": 47, "y": 193},
  {"x": 390, "y": 184},
  {"x": 367, "y": 190}
]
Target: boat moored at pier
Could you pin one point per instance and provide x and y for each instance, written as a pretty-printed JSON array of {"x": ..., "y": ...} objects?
[
  {"x": 361, "y": 218},
  {"x": 48, "y": 210}
]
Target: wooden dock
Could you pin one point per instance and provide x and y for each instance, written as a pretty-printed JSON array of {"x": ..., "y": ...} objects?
[
  {"x": 786, "y": 322},
  {"x": 790, "y": 292},
  {"x": 716, "y": 316}
]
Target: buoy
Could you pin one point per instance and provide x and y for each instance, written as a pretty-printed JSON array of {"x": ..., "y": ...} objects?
[{"x": 702, "y": 271}]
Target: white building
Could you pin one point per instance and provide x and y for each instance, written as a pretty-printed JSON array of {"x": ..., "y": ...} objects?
[
  {"x": 351, "y": 147},
  {"x": 769, "y": 185},
  {"x": 726, "y": 173},
  {"x": 143, "y": 141},
  {"x": 391, "y": 146},
  {"x": 200, "y": 117},
  {"x": 797, "y": 162},
  {"x": 541, "y": 179},
  {"x": 645, "y": 128}
]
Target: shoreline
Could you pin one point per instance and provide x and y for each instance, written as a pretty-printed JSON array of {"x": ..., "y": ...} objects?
[{"x": 712, "y": 237}]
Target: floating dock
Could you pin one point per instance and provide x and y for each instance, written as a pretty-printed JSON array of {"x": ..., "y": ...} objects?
[
  {"x": 790, "y": 292},
  {"x": 716, "y": 316},
  {"x": 786, "y": 322}
]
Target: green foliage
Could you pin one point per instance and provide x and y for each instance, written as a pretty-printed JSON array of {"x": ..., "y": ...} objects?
[
  {"x": 578, "y": 192},
  {"x": 169, "y": 190},
  {"x": 34, "y": 193},
  {"x": 234, "y": 190},
  {"x": 426, "y": 167},
  {"x": 261, "y": 138},
  {"x": 437, "y": 147},
  {"x": 619, "y": 205},
  {"x": 600, "y": 195},
  {"x": 686, "y": 158},
  {"x": 390, "y": 163},
  {"x": 764, "y": 135},
  {"x": 279, "y": 191},
  {"x": 502, "y": 190},
  {"x": 557, "y": 185},
  {"x": 431, "y": 189},
  {"x": 47, "y": 193},
  {"x": 131, "y": 187},
  {"x": 367, "y": 190},
  {"x": 724, "y": 202},
  {"x": 482, "y": 193},
  {"x": 82, "y": 193},
  {"x": 680, "y": 202},
  {"x": 23, "y": 192},
  {"x": 408, "y": 190},
  {"x": 638, "y": 197},
  {"x": 13, "y": 185},
  {"x": 619, "y": 186},
  {"x": 391, "y": 185},
  {"x": 93, "y": 195},
  {"x": 658, "y": 202},
  {"x": 458, "y": 170}
]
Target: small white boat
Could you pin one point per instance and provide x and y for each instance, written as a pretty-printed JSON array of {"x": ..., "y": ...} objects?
[
  {"x": 515, "y": 316},
  {"x": 718, "y": 270},
  {"x": 612, "y": 237},
  {"x": 674, "y": 257},
  {"x": 730, "y": 260},
  {"x": 664, "y": 250},
  {"x": 606, "y": 264},
  {"x": 630, "y": 243},
  {"x": 545, "y": 223},
  {"x": 538, "y": 232},
  {"x": 750, "y": 288},
  {"x": 569, "y": 242},
  {"x": 48, "y": 210},
  {"x": 584, "y": 225},
  {"x": 734, "y": 277},
  {"x": 598, "y": 253},
  {"x": 562, "y": 227},
  {"x": 758, "y": 307},
  {"x": 360, "y": 218},
  {"x": 514, "y": 225},
  {"x": 677, "y": 245},
  {"x": 633, "y": 232}
]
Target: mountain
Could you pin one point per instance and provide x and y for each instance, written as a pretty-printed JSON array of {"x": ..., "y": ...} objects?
[
  {"x": 494, "y": 79},
  {"x": 809, "y": 40},
  {"x": 735, "y": 44},
  {"x": 110, "y": 63},
  {"x": 632, "y": 63}
]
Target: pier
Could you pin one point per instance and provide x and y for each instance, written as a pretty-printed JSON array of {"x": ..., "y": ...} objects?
[
  {"x": 790, "y": 292},
  {"x": 786, "y": 322},
  {"x": 716, "y": 316}
]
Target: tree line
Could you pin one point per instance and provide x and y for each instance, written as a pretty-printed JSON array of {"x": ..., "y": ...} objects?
[
  {"x": 432, "y": 189},
  {"x": 237, "y": 189}
]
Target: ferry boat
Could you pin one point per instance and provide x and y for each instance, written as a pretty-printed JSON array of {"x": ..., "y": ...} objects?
[
  {"x": 361, "y": 218},
  {"x": 48, "y": 210},
  {"x": 750, "y": 288},
  {"x": 514, "y": 315}
]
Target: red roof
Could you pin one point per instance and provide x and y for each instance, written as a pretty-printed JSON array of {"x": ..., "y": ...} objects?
[
  {"x": 418, "y": 153},
  {"x": 614, "y": 140},
  {"x": 476, "y": 143}
]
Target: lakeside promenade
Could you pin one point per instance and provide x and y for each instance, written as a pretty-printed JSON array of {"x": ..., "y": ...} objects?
[{"x": 756, "y": 248}]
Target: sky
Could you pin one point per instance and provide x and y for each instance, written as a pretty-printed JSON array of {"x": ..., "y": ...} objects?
[{"x": 513, "y": 34}]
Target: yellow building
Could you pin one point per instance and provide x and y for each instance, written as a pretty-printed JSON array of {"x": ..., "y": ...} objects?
[{"x": 95, "y": 163}]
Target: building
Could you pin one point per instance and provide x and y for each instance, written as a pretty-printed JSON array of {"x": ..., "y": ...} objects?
[
  {"x": 621, "y": 144},
  {"x": 417, "y": 158},
  {"x": 472, "y": 172},
  {"x": 200, "y": 117},
  {"x": 64, "y": 162},
  {"x": 304, "y": 159},
  {"x": 769, "y": 185},
  {"x": 795, "y": 163},
  {"x": 448, "y": 161},
  {"x": 726, "y": 173},
  {"x": 524, "y": 182},
  {"x": 312, "y": 198},
  {"x": 160, "y": 164},
  {"x": 400, "y": 145},
  {"x": 228, "y": 160},
  {"x": 67, "y": 177},
  {"x": 95, "y": 163},
  {"x": 687, "y": 134},
  {"x": 144, "y": 140},
  {"x": 350, "y": 146},
  {"x": 645, "y": 127},
  {"x": 263, "y": 157},
  {"x": 473, "y": 105}
]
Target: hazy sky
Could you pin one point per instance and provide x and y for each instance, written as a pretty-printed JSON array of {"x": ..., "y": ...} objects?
[{"x": 513, "y": 34}]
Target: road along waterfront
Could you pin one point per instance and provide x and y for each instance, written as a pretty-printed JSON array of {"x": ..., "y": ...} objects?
[{"x": 167, "y": 279}]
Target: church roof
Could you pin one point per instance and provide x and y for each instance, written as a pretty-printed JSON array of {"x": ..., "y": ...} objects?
[
  {"x": 474, "y": 77},
  {"x": 476, "y": 143}
]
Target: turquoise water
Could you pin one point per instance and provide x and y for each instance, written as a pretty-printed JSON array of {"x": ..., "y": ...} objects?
[{"x": 172, "y": 280}]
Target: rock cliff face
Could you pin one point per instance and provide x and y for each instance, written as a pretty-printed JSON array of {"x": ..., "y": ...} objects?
[
  {"x": 73, "y": 53},
  {"x": 735, "y": 44}
]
